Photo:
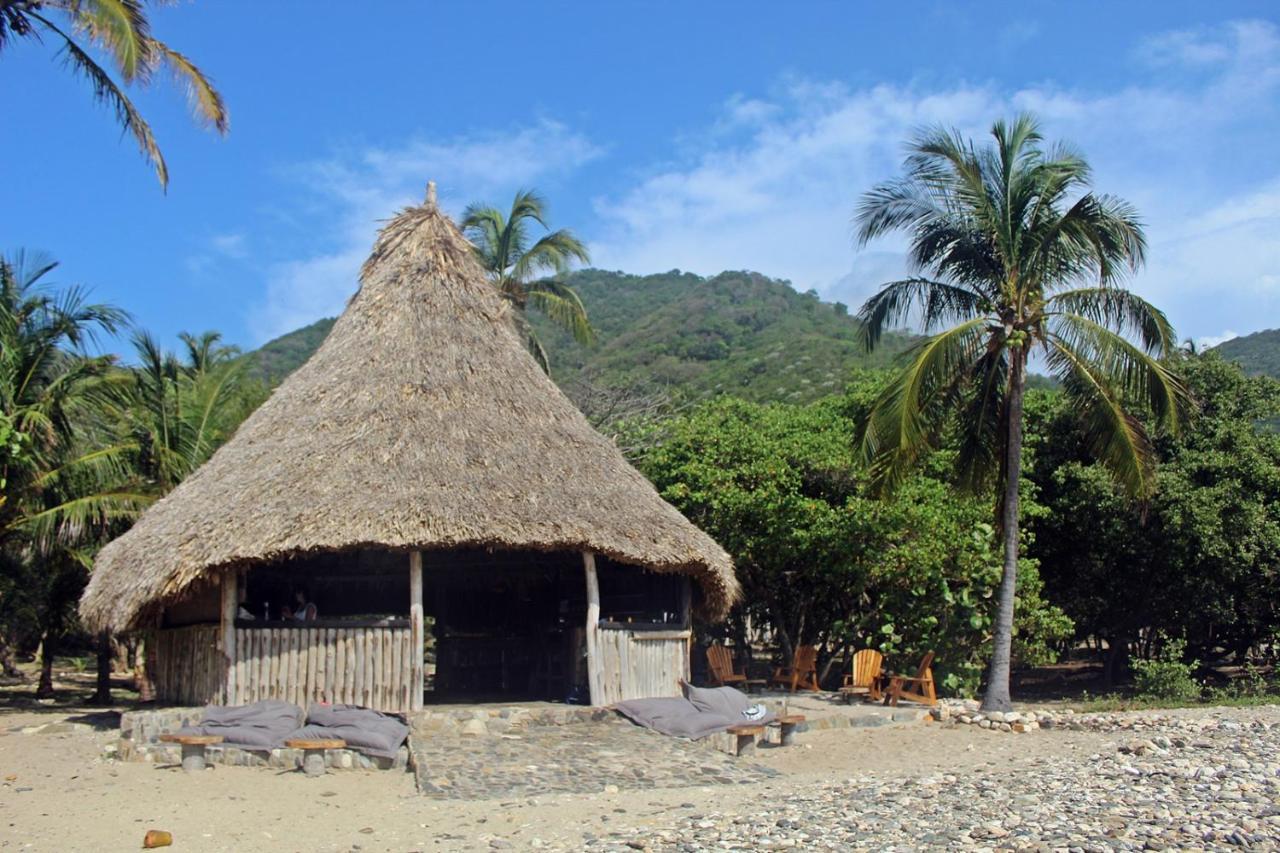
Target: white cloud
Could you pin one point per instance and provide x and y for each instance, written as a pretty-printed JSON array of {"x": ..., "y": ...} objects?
[
  {"x": 1210, "y": 341},
  {"x": 779, "y": 195},
  {"x": 771, "y": 182},
  {"x": 352, "y": 193}
]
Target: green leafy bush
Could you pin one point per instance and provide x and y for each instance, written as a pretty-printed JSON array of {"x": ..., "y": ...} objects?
[{"x": 1167, "y": 676}]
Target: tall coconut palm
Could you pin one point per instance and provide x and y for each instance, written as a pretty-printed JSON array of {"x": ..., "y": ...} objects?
[
  {"x": 502, "y": 244},
  {"x": 1013, "y": 257},
  {"x": 120, "y": 29}
]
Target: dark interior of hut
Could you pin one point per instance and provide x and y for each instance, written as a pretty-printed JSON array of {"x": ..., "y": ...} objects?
[{"x": 500, "y": 625}]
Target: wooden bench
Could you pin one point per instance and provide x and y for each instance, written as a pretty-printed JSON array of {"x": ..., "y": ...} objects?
[
  {"x": 192, "y": 749},
  {"x": 744, "y": 737},
  {"x": 313, "y": 752},
  {"x": 787, "y": 727}
]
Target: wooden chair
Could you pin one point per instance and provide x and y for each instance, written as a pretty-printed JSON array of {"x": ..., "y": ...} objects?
[
  {"x": 919, "y": 689},
  {"x": 720, "y": 667},
  {"x": 864, "y": 680},
  {"x": 803, "y": 672}
]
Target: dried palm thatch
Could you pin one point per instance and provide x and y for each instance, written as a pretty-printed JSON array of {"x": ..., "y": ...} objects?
[{"x": 420, "y": 423}]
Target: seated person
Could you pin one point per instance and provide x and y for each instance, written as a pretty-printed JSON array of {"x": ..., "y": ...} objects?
[{"x": 302, "y": 609}]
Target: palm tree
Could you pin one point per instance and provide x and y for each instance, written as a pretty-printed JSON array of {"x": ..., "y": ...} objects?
[
  {"x": 1012, "y": 257},
  {"x": 502, "y": 244},
  {"x": 67, "y": 483},
  {"x": 121, "y": 29},
  {"x": 177, "y": 413}
]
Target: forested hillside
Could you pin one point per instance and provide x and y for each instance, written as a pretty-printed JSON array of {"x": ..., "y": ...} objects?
[
  {"x": 737, "y": 332},
  {"x": 1258, "y": 354}
]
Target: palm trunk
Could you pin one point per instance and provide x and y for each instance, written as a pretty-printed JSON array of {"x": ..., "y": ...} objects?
[
  {"x": 106, "y": 656},
  {"x": 44, "y": 689},
  {"x": 997, "y": 695}
]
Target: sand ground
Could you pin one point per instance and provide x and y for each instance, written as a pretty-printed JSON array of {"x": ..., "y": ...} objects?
[{"x": 57, "y": 793}]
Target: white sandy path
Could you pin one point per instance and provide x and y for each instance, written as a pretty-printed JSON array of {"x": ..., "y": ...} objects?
[{"x": 79, "y": 802}]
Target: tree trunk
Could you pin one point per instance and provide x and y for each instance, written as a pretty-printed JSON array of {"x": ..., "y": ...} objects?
[
  {"x": 106, "y": 656},
  {"x": 8, "y": 667},
  {"x": 142, "y": 672},
  {"x": 1113, "y": 665},
  {"x": 45, "y": 689},
  {"x": 997, "y": 695}
]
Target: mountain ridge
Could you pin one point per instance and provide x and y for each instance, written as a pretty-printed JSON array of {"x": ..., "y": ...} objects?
[{"x": 737, "y": 332}]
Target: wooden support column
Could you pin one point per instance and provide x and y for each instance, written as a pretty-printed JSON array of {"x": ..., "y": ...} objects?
[
  {"x": 227, "y": 636},
  {"x": 417, "y": 635},
  {"x": 686, "y": 622},
  {"x": 593, "y": 628}
]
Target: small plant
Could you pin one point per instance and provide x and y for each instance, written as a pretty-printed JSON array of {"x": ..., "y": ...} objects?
[
  {"x": 1166, "y": 676},
  {"x": 1250, "y": 684}
]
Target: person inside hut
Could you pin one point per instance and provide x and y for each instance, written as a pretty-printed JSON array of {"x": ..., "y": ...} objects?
[{"x": 302, "y": 609}]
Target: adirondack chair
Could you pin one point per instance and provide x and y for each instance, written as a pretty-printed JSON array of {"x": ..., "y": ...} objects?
[
  {"x": 720, "y": 667},
  {"x": 803, "y": 672},
  {"x": 864, "y": 680},
  {"x": 918, "y": 689}
]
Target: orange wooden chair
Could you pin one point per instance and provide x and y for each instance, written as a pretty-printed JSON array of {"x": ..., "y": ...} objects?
[
  {"x": 864, "y": 680},
  {"x": 803, "y": 672},
  {"x": 720, "y": 667},
  {"x": 919, "y": 689}
]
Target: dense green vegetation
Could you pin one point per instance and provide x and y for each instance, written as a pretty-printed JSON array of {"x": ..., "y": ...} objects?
[
  {"x": 823, "y": 559},
  {"x": 1196, "y": 562},
  {"x": 737, "y": 333},
  {"x": 279, "y": 357},
  {"x": 86, "y": 444},
  {"x": 1258, "y": 354}
]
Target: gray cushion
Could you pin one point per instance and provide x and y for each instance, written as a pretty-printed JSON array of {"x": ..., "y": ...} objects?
[
  {"x": 364, "y": 729},
  {"x": 722, "y": 701},
  {"x": 262, "y": 725},
  {"x": 674, "y": 716}
]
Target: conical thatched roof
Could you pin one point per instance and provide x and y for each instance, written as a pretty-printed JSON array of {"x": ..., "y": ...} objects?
[{"x": 420, "y": 423}]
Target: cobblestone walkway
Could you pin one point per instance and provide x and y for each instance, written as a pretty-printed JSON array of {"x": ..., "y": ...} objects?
[{"x": 583, "y": 757}]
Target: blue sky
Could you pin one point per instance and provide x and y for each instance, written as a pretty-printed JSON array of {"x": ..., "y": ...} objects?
[{"x": 703, "y": 136}]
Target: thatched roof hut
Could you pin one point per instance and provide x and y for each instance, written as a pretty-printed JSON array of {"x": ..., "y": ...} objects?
[{"x": 420, "y": 424}]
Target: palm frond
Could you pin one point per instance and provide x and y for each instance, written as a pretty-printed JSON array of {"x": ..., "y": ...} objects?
[
  {"x": 561, "y": 304},
  {"x": 1120, "y": 310},
  {"x": 206, "y": 101},
  {"x": 106, "y": 90},
  {"x": 118, "y": 26},
  {"x": 1116, "y": 437},
  {"x": 75, "y": 518},
  {"x": 905, "y": 421},
  {"x": 937, "y": 302},
  {"x": 553, "y": 253},
  {"x": 979, "y": 456},
  {"x": 1128, "y": 369}
]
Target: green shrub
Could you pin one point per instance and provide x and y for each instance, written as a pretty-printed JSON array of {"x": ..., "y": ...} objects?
[{"x": 1167, "y": 676}]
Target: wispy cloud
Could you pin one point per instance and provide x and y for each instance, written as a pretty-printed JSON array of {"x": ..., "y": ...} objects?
[
  {"x": 1210, "y": 341},
  {"x": 771, "y": 182},
  {"x": 779, "y": 195},
  {"x": 351, "y": 193}
]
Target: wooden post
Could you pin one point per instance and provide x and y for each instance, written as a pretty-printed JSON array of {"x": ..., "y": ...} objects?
[
  {"x": 686, "y": 622},
  {"x": 593, "y": 628},
  {"x": 227, "y": 636},
  {"x": 417, "y": 636}
]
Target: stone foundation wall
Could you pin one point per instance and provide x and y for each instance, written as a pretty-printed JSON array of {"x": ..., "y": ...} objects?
[
  {"x": 472, "y": 721},
  {"x": 140, "y": 741}
]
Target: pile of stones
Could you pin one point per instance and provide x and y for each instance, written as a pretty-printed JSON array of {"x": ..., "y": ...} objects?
[{"x": 1168, "y": 782}]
